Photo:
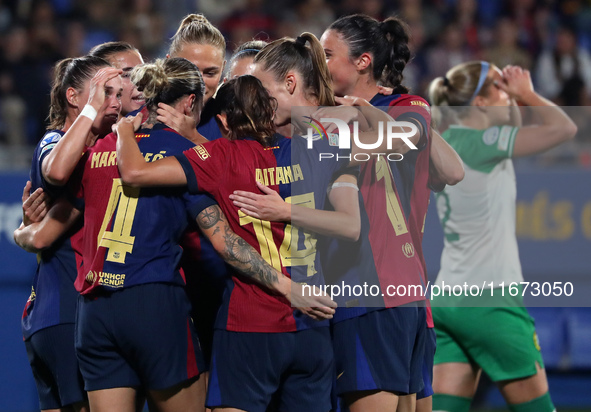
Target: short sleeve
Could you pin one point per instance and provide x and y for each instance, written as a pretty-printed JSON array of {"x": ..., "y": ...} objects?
[
  {"x": 204, "y": 165},
  {"x": 197, "y": 203},
  {"x": 483, "y": 149},
  {"x": 413, "y": 109}
]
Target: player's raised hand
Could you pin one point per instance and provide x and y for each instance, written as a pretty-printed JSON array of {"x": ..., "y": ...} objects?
[
  {"x": 35, "y": 205},
  {"x": 516, "y": 82},
  {"x": 128, "y": 124},
  {"x": 267, "y": 206},
  {"x": 96, "y": 98},
  {"x": 180, "y": 122}
]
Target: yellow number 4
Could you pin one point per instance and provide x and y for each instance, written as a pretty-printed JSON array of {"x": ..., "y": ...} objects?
[{"x": 122, "y": 204}]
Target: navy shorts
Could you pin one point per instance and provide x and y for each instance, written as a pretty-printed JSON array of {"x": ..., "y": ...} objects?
[
  {"x": 430, "y": 346},
  {"x": 137, "y": 336},
  {"x": 55, "y": 367},
  {"x": 249, "y": 369},
  {"x": 381, "y": 350}
]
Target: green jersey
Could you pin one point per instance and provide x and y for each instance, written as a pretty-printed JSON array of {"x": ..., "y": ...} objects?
[{"x": 478, "y": 214}]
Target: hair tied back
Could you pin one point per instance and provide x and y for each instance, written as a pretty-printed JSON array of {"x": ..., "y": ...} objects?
[{"x": 300, "y": 41}]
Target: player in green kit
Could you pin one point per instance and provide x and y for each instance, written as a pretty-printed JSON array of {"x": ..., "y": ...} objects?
[{"x": 480, "y": 247}]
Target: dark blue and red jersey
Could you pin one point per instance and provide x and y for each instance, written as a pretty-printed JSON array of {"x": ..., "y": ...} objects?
[
  {"x": 204, "y": 269},
  {"x": 208, "y": 126},
  {"x": 411, "y": 176},
  {"x": 385, "y": 256},
  {"x": 131, "y": 235},
  {"x": 53, "y": 297},
  {"x": 288, "y": 167}
]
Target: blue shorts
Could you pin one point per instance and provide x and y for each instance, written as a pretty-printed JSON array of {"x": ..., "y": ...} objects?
[
  {"x": 137, "y": 336},
  {"x": 293, "y": 368},
  {"x": 430, "y": 346},
  {"x": 381, "y": 350},
  {"x": 55, "y": 367}
]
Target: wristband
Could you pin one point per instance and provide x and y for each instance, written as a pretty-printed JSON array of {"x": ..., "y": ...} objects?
[{"x": 89, "y": 112}]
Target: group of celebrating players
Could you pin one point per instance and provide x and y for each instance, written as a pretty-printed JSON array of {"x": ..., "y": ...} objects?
[{"x": 177, "y": 224}]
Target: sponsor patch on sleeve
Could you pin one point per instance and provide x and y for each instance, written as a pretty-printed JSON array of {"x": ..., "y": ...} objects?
[
  {"x": 333, "y": 139},
  {"x": 202, "y": 152},
  {"x": 46, "y": 148},
  {"x": 490, "y": 136},
  {"x": 504, "y": 138},
  {"x": 53, "y": 137},
  {"x": 422, "y": 104}
]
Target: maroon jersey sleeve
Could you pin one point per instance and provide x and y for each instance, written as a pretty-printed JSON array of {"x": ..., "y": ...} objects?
[
  {"x": 414, "y": 109},
  {"x": 205, "y": 166}
]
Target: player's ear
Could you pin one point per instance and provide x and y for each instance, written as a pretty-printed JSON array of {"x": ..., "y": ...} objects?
[
  {"x": 363, "y": 62},
  {"x": 223, "y": 123},
  {"x": 72, "y": 96},
  {"x": 189, "y": 105},
  {"x": 479, "y": 102},
  {"x": 290, "y": 82}
]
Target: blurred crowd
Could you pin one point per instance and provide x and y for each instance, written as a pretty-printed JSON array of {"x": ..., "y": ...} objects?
[{"x": 552, "y": 38}]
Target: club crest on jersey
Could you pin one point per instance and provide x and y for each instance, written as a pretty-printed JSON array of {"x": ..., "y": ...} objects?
[
  {"x": 91, "y": 277},
  {"x": 202, "y": 152},
  {"x": 490, "y": 136},
  {"x": 33, "y": 295},
  {"x": 408, "y": 249}
]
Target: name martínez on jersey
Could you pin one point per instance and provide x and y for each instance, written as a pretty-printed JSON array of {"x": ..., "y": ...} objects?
[
  {"x": 279, "y": 175},
  {"x": 106, "y": 159}
]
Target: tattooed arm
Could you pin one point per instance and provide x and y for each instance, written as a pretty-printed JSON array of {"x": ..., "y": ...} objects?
[{"x": 245, "y": 259}]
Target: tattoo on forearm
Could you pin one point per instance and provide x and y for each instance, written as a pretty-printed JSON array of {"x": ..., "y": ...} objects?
[
  {"x": 237, "y": 252},
  {"x": 247, "y": 260},
  {"x": 209, "y": 217}
]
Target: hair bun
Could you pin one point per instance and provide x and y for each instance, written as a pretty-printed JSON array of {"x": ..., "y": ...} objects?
[{"x": 150, "y": 78}]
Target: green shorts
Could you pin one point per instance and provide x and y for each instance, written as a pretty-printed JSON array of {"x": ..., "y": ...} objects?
[{"x": 502, "y": 340}]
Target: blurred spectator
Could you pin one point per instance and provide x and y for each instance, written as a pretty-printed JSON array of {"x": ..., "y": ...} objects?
[
  {"x": 148, "y": 26},
  {"x": 564, "y": 72},
  {"x": 443, "y": 34},
  {"x": 12, "y": 105},
  {"x": 506, "y": 50},
  {"x": 450, "y": 51},
  {"x": 250, "y": 21},
  {"x": 465, "y": 18},
  {"x": 416, "y": 71},
  {"x": 313, "y": 16},
  {"x": 26, "y": 64}
]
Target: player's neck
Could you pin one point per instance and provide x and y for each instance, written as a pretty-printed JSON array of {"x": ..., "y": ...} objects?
[
  {"x": 364, "y": 87},
  {"x": 152, "y": 119},
  {"x": 476, "y": 119}
]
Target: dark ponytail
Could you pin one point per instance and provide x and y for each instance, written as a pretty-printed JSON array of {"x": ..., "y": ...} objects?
[
  {"x": 387, "y": 42},
  {"x": 397, "y": 35},
  {"x": 249, "y": 109}
]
